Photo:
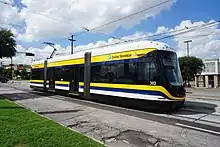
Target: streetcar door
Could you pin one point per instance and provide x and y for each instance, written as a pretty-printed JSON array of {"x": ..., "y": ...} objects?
[
  {"x": 71, "y": 80},
  {"x": 76, "y": 79},
  {"x": 74, "y": 82},
  {"x": 51, "y": 78},
  {"x": 45, "y": 74}
]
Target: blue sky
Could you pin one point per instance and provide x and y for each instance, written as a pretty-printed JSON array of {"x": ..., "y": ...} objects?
[
  {"x": 194, "y": 10},
  {"x": 90, "y": 14}
]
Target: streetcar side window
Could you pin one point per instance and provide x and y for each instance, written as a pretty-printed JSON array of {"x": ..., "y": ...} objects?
[
  {"x": 146, "y": 72},
  {"x": 81, "y": 75},
  {"x": 114, "y": 73},
  {"x": 51, "y": 73},
  {"x": 153, "y": 72},
  {"x": 142, "y": 73},
  {"x": 125, "y": 73},
  {"x": 99, "y": 73},
  {"x": 63, "y": 73},
  {"x": 58, "y": 74},
  {"x": 37, "y": 74}
]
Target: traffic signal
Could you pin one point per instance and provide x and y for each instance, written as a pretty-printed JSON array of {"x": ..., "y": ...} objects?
[{"x": 29, "y": 54}]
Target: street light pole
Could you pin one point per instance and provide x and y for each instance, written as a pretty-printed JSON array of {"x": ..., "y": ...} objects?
[
  {"x": 11, "y": 70},
  {"x": 187, "y": 46}
]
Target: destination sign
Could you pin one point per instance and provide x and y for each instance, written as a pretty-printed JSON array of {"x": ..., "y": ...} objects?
[{"x": 125, "y": 56}]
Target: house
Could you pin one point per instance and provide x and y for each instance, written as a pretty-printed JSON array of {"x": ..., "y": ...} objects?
[{"x": 210, "y": 76}]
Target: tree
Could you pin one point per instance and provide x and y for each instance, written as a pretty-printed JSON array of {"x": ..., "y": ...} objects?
[
  {"x": 190, "y": 67},
  {"x": 6, "y": 72},
  {"x": 24, "y": 74},
  {"x": 7, "y": 43},
  {"x": 17, "y": 73}
]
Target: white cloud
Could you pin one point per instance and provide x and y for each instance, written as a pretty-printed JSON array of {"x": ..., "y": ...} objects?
[
  {"x": 45, "y": 52},
  {"x": 205, "y": 42},
  {"x": 162, "y": 29},
  {"x": 8, "y": 15},
  {"x": 82, "y": 13}
]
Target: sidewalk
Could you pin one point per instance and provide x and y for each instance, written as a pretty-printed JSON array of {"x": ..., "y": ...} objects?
[{"x": 212, "y": 93}]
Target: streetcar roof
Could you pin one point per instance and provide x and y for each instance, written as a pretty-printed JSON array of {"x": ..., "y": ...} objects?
[{"x": 122, "y": 47}]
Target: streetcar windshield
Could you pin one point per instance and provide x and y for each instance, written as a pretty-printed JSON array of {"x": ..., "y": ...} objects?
[{"x": 172, "y": 69}]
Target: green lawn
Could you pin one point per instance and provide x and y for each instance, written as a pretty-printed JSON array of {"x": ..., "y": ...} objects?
[{"x": 20, "y": 127}]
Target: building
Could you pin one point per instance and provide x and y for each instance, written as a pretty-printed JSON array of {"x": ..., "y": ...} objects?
[
  {"x": 18, "y": 67},
  {"x": 210, "y": 76}
]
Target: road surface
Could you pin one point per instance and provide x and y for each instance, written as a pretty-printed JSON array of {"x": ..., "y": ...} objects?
[{"x": 196, "y": 125}]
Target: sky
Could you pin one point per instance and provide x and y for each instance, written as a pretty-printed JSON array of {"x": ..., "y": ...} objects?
[{"x": 36, "y": 21}]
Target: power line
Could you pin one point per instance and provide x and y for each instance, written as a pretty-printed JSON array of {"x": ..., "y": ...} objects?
[
  {"x": 194, "y": 28},
  {"x": 125, "y": 17},
  {"x": 180, "y": 31},
  {"x": 89, "y": 30},
  {"x": 114, "y": 21},
  {"x": 188, "y": 31},
  {"x": 13, "y": 25},
  {"x": 6, "y": 3},
  {"x": 164, "y": 33},
  {"x": 53, "y": 18},
  {"x": 201, "y": 35}
]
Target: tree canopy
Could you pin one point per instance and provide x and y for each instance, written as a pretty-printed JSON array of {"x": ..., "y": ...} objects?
[
  {"x": 190, "y": 66},
  {"x": 7, "y": 43}
]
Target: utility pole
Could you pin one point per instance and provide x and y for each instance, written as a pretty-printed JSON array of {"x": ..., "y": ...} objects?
[
  {"x": 72, "y": 43},
  {"x": 187, "y": 46}
]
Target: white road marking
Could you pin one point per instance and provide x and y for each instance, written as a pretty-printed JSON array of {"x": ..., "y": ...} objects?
[{"x": 196, "y": 128}]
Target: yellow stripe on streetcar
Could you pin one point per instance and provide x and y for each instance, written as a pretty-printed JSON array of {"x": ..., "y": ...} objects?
[
  {"x": 62, "y": 82},
  {"x": 36, "y": 81}
]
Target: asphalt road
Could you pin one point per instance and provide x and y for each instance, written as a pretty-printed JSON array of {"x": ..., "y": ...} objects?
[{"x": 124, "y": 127}]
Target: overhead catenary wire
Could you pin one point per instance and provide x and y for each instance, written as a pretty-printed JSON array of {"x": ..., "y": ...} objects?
[
  {"x": 122, "y": 18},
  {"x": 3, "y": 2},
  {"x": 98, "y": 27},
  {"x": 119, "y": 19},
  {"x": 173, "y": 31},
  {"x": 179, "y": 32},
  {"x": 13, "y": 25},
  {"x": 114, "y": 21},
  {"x": 189, "y": 30},
  {"x": 197, "y": 27},
  {"x": 37, "y": 13},
  {"x": 56, "y": 19},
  {"x": 200, "y": 35}
]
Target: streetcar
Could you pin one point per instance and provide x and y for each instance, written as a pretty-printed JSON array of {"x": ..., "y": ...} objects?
[{"x": 143, "y": 74}]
